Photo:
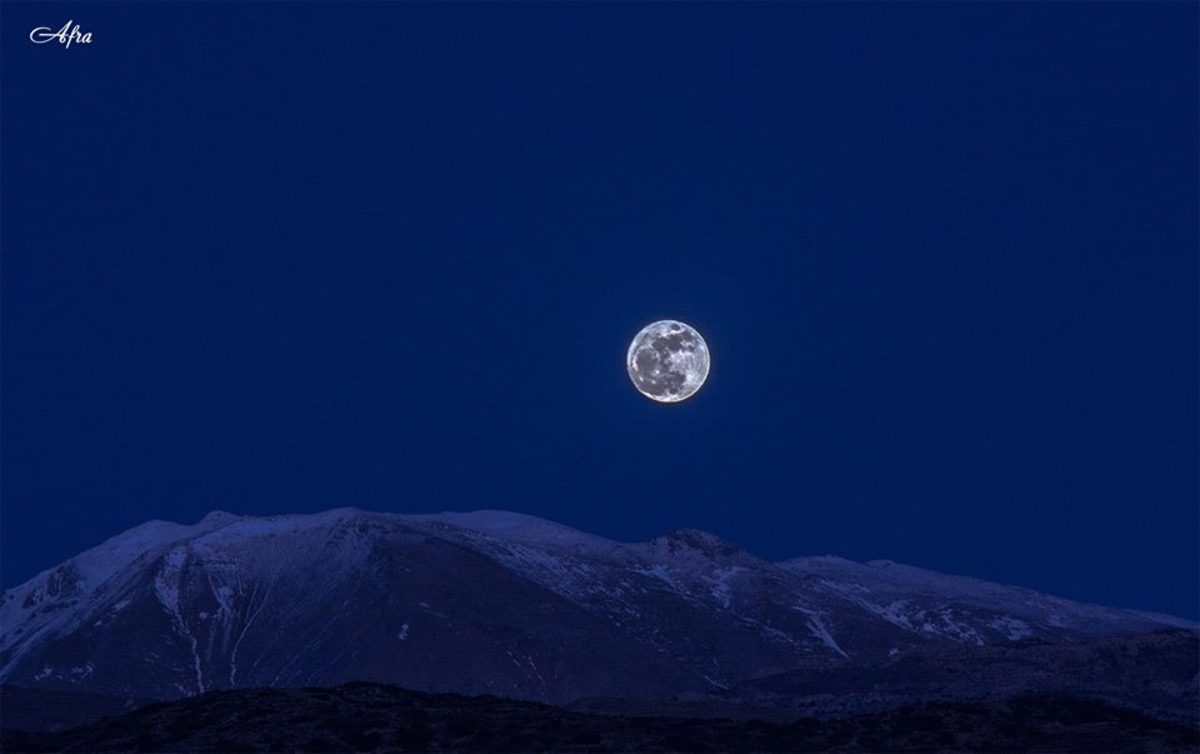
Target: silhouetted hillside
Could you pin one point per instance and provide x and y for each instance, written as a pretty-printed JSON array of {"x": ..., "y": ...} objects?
[{"x": 374, "y": 718}]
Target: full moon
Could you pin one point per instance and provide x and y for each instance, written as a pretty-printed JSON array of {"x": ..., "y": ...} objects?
[{"x": 667, "y": 361}]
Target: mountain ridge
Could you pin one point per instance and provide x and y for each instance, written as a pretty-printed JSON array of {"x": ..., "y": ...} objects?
[
  {"x": 487, "y": 520},
  {"x": 486, "y": 602}
]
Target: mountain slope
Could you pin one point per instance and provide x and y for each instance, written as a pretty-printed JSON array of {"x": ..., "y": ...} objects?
[
  {"x": 484, "y": 602},
  {"x": 967, "y": 609}
]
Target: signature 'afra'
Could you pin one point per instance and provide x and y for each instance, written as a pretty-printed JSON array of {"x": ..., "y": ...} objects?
[{"x": 68, "y": 34}]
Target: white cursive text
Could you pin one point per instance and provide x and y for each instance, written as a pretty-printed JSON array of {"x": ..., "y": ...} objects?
[{"x": 65, "y": 36}]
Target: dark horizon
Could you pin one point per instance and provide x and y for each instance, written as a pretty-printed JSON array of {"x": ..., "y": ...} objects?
[{"x": 944, "y": 257}]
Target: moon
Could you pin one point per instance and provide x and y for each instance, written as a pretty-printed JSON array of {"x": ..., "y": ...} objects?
[{"x": 668, "y": 361}]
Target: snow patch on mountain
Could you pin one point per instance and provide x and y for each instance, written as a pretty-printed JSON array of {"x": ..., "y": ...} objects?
[
  {"x": 722, "y": 581},
  {"x": 820, "y": 631},
  {"x": 167, "y": 589},
  {"x": 1014, "y": 629}
]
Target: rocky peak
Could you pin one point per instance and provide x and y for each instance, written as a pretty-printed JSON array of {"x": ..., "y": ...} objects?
[{"x": 702, "y": 542}]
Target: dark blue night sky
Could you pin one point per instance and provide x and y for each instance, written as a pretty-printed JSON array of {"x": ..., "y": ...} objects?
[{"x": 288, "y": 257}]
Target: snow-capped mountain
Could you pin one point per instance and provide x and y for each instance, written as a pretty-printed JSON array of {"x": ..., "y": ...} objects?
[{"x": 486, "y": 602}]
